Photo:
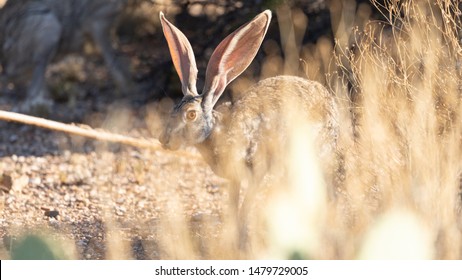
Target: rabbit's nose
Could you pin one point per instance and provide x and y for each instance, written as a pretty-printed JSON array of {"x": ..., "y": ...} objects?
[{"x": 163, "y": 139}]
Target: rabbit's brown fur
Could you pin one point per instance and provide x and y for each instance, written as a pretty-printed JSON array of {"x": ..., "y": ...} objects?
[
  {"x": 255, "y": 126},
  {"x": 248, "y": 140}
]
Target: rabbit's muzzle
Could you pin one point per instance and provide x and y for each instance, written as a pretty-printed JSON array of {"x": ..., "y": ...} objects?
[
  {"x": 168, "y": 142},
  {"x": 164, "y": 140}
]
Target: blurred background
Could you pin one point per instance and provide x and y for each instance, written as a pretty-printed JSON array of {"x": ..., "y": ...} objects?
[
  {"x": 299, "y": 42},
  {"x": 394, "y": 68}
]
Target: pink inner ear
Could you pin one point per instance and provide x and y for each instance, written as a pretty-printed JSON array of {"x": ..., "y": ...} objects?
[
  {"x": 233, "y": 55},
  {"x": 174, "y": 53},
  {"x": 182, "y": 56},
  {"x": 239, "y": 58}
]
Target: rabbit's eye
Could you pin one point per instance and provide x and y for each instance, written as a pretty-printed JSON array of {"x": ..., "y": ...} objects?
[{"x": 191, "y": 115}]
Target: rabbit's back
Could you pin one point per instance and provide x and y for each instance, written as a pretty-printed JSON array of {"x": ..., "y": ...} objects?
[
  {"x": 274, "y": 96},
  {"x": 255, "y": 130}
]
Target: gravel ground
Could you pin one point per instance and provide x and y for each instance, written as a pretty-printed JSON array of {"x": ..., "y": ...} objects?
[{"x": 82, "y": 190}]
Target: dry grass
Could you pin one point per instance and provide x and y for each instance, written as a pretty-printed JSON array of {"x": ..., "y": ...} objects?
[
  {"x": 404, "y": 150},
  {"x": 398, "y": 87},
  {"x": 397, "y": 193}
]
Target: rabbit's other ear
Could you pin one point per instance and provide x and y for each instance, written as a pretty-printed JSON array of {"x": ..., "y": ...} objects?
[
  {"x": 182, "y": 56},
  {"x": 232, "y": 56}
]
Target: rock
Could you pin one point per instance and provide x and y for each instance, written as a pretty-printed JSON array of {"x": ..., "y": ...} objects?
[{"x": 6, "y": 183}]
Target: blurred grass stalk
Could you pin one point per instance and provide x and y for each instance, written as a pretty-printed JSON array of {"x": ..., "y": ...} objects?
[
  {"x": 398, "y": 84},
  {"x": 398, "y": 87}
]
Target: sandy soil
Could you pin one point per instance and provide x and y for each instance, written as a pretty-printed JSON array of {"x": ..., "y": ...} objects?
[{"x": 83, "y": 190}]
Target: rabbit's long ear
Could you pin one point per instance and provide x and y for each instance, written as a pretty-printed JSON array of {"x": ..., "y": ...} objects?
[
  {"x": 182, "y": 56},
  {"x": 232, "y": 56}
]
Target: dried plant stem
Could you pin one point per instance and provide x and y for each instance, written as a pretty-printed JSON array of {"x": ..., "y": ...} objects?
[{"x": 86, "y": 131}]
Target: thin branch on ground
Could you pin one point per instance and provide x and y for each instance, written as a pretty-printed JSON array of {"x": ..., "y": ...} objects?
[{"x": 87, "y": 131}]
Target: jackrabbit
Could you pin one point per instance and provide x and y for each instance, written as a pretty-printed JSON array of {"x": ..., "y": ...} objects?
[
  {"x": 33, "y": 31},
  {"x": 246, "y": 139}
]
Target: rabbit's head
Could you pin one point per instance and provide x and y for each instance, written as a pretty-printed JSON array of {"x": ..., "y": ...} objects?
[{"x": 191, "y": 120}]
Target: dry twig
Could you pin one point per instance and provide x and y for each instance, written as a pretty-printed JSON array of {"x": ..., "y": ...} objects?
[{"x": 86, "y": 131}]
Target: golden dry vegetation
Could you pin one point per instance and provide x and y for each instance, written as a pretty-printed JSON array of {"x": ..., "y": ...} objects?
[{"x": 397, "y": 192}]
